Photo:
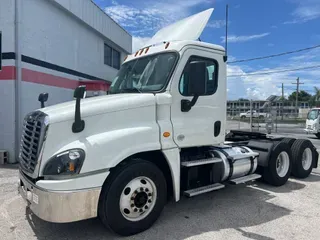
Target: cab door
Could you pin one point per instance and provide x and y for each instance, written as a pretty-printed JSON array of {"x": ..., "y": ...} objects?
[{"x": 204, "y": 123}]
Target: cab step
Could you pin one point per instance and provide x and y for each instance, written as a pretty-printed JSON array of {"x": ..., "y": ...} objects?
[
  {"x": 245, "y": 179},
  {"x": 204, "y": 189},
  {"x": 200, "y": 162}
]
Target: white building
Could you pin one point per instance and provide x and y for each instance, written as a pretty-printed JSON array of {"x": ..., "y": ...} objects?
[{"x": 52, "y": 46}]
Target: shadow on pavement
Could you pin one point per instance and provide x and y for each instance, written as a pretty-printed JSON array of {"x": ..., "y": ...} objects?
[
  {"x": 253, "y": 235},
  {"x": 233, "y": 207},
  {"x": 9, "y": 166},
  {"x": 314, "y": 177}
]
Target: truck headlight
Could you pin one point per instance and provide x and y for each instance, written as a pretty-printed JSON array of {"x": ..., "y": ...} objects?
[{"x": 65, "y": 163}]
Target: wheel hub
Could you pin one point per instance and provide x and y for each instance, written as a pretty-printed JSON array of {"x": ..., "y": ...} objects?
[
  {"x": 282, "y": 164},
  {"x": 306, "y": 159},
  {"x": 138, "y": 198}
]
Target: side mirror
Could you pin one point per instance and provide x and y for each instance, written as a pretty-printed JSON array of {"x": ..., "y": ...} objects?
[
  {"x": 43, "y": 97},
  {"x": 198, "y": 76},
  {"x": 80, "y": 92},
  {"x": 78, "y": 124}
]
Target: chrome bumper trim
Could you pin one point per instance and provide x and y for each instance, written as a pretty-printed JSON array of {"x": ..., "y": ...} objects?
[{"x": 59, "y": 206}]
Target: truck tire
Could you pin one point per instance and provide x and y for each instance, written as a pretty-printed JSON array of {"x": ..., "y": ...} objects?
[
  {"x": 303, "y": 158},
  {"x": 243, "y": 117},
  {"x": 132, "y": 198},
  {"x": 289, "y": 141},
  {"x": 279, "y": 166}
]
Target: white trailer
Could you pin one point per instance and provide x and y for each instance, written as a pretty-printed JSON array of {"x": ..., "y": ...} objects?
[{"x": 159, "y": 133}]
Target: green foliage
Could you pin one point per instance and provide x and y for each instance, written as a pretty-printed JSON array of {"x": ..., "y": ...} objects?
[{"x": 302, "y": 96}]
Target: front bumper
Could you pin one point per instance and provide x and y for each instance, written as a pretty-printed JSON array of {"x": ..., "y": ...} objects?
[
  {"x": 311, "y": 131},
  {"x": 59, "y": 206}
]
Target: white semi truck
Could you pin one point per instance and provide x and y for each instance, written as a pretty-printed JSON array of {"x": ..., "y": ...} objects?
[{"x": 158, "y": 134}]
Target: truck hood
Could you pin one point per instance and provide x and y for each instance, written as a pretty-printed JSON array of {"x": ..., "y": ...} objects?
[{"x": 99, "y": 105}]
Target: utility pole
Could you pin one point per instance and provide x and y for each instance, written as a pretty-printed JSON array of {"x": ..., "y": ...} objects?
[
  {"x": 282, "y": 103},
  {"x": 298, "y": 83}
]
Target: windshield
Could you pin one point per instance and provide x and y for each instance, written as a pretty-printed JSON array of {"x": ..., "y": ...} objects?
[
  {"x": 147, "y": 74},
  {"x": 313, "y": 114}
]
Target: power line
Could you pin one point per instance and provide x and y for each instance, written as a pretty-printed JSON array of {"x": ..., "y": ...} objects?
[
  {"x": 276, "y": 55},
  {"x": 276, "y": 71}
]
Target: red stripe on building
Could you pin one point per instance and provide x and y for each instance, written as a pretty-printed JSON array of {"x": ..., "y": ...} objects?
[{"x": 8, "y": 73}]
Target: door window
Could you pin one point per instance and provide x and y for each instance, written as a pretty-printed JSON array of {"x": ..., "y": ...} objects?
[{"x": 211, "y": 73}]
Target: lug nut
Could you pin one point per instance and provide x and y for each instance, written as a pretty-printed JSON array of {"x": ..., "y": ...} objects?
[
  {"x": 132, "y": 205},
  {"x": 149, "y": 201},
  {"x": 141, "y": 210},
  {"x": 135, "y": 210},
  {"x": 132, "y": 198},
  {"x": 141, "y": 189},
  {"x": 149, "y": 194},
  {"x": 146, "y": 207},
  {"x": 147, "y": 190}
]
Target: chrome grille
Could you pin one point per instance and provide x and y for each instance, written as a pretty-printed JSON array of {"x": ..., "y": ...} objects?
[{"x": 31, "y": 141}]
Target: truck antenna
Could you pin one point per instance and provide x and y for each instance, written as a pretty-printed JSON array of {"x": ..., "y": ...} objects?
[{"x": 225, "y": 58}]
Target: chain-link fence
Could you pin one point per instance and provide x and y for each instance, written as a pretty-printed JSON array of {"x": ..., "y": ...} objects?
[{"x": 267, "y": 116}]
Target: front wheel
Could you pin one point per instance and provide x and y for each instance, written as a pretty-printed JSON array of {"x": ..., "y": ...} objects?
[
  {"x": 279, "y": 166},
  {"x": 133, "y": 198}
]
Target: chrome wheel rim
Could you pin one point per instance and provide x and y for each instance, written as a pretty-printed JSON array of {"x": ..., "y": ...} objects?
[
  {"x": 306, "y": 159},
  {"x": 282, "y": 164},
  {"x": 138, "y": 199}
]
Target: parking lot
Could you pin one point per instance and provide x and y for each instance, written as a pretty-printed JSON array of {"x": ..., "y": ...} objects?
[{"x": 252, "y": 211}]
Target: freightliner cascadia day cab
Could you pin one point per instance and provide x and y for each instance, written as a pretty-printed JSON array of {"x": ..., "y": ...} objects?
[{"x": 159, "y": 134}]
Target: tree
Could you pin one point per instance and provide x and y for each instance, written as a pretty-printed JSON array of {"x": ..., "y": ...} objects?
[
  {"x": 317, "y": 94},
  {"x": 302, "y": 96}
]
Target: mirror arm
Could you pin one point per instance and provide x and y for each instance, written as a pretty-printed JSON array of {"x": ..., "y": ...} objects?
[
  {"x": 186, "y": 104},
  {"x": 78, "y": 124}
]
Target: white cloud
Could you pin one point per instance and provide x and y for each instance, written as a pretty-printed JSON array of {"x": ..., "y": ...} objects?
[
  {"x": 307, "y": 10},
  {"x": 138, "y": 42},
  {"x": 262, "y": 86},
  {"x": 235, "y": 38},
  {"x": 217, "y": 24},
  {"x": 148, "y": 16}
]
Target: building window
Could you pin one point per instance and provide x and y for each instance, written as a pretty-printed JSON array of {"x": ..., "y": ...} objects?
[{"x": 111, "y": 57}]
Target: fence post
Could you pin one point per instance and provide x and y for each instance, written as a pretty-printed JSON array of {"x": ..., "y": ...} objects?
[{"x": 251, "y": 115}]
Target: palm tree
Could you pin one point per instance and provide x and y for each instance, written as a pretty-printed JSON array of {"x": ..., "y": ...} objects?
[{"x": 317, "y": 95}]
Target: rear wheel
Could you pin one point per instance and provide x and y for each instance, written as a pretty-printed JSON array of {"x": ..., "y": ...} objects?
[
  {"x": 289, "y": 141},
  {"x": 243, "y": 117},
  {"x": 303, "y": 158},
  {"x": 133, "y": 199},
  {"x": 279, "y": 166}
]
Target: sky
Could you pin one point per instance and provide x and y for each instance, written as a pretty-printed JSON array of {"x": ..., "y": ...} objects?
[{"x": 256, "y": 28}]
